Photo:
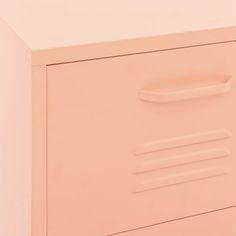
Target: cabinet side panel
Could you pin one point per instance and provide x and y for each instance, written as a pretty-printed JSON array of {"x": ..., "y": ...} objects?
[
  {"x": 15, "y": 134},
  {"x": 39, "y": 163}
]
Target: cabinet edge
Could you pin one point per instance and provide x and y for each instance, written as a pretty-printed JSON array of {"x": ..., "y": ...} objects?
[{"x": 39, "y": 151}]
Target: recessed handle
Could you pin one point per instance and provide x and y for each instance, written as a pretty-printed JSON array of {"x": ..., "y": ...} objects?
[{"x": 179, "y": 91}]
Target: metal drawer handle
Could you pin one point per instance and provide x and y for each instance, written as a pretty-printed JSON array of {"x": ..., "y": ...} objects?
[{"x": 170, "y": 93}]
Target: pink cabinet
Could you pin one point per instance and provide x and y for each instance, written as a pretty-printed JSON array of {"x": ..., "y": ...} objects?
[
  {"x": 126, "y": 127},
  {"x": 139, "y": 140}
]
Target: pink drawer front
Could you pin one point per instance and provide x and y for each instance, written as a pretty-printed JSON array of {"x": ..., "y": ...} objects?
[
  {"x": 141, "y": 139},
  {"x": 214, "y": 224}
]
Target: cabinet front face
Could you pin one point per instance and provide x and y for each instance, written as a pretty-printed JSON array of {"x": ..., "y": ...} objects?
[{"x": 141, "y": 139}]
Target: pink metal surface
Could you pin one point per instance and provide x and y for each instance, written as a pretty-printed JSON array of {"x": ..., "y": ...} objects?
[
  {"x": 15, "y": 134},
  {"x": 122, "y": 144},
  {"x": 213, "y": 224},
  {"x": 97, "y": 122}
]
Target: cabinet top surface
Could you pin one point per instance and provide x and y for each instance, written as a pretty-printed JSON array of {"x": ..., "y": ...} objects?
[{"x": 48, "y": 24}]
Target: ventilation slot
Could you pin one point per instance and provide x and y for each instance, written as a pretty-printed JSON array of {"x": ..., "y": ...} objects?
[
  {"x": 182, "y": 141},
  {"x": 179, "y": 179},
  {"x": 174, "y": 161}
]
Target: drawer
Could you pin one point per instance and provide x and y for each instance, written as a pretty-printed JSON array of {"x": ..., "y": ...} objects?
[
  {"x": 215, "y": 224},
  {"x": 141, "y": 139}
]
